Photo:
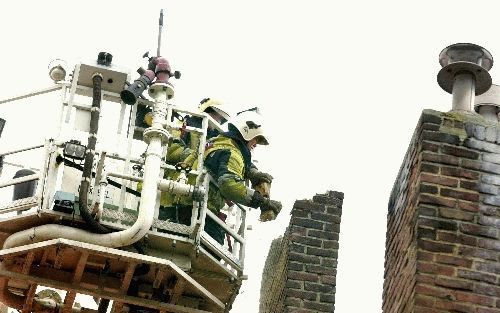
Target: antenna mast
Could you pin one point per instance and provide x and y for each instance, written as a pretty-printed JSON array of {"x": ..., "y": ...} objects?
[{"x": 160, "y": 28}]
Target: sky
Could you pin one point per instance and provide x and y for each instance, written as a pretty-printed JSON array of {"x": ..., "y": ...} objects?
[{"x": 340, "y": 83}]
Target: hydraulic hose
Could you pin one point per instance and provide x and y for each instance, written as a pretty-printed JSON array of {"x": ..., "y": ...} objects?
[{"x": 89, "y": 158}]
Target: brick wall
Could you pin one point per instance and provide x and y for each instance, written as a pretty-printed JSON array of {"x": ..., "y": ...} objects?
[
  {"x": 299, "y": 274},
  {"x": 442, "y": 245}
]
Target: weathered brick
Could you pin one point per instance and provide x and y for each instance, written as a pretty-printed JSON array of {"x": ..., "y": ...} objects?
[
  {"x": 427, "y": 117},
  {"x": 435, "y": 246},
  {"x": 487, "y": 188},
  {"x": 480, "y": 132},
  {"x": 424, "y": 188},
  {"x": 489, "y": 244},
  {"x": 425, "y": 256},
  {"x": 294, "y": 284},
  {"x": 308, "y": 295},
  {"x": 322, "y": 234},
  {"x": 305, "y": 240},
  {"x": 429, "y": 168},
  {"x": 325, "y": 199},
  {"x": 432, "y": 268},
  {"x": 297, "y": 248},
  {"x": 488, "y": 210},
  {"x": 426, "y": 233},
  {"x": 329, "y": 298},
  {"x": 332, "y": 263},
  {"x": 426, "y": 198},
  {"x": 318, "y": 269},
  {"x": 322, "y": 252},
  {"x": 493, "y": 268},
  {"x": 470, "y": 185},
  {"x": 330, "y": 244},
  {"x": 491, "y": 179},
  {"x": 474, "y": 298},
  {"x": 429, "y": 146},
  {"x": 491, "y": 134},
  {"x": 328, "y": 279},
  {"x": 487, "y": 310},
  {"x": 459, "y": 172},
  {"x": 300, "y": 213},
  {"x": 456, "y": 238},
  {"x": 424, "y": 301},
  {"x": 307, "y": 223},
  {"x": 460, "y": 152},
  {"x": 426, "y": 211},
  {"x": 456, "y": 214},
  {"x": 493, "y": 200},
  {"x": 318, "y": 287},
  {"x": 474, "y": 229},
  {"x": 453, "y": 260},
  {"x": 454, "y": 283},
  {"x": 325, "y": 217},
  {"x": 452, "y": 306},
  {"x": 329, "y": 227},
  {"x": 295, "y": 266},
  {"x": 477, "y": 253},
  {"x": 481, "y": 145},
  {"x": 488, "y": 290},
  {"x": 491, "y": 157},
  {"x": 437, "y": 223},
  {"x": 298, "y": 230},
  {"x": 473, "y": 275},
  {"x": 319, "y": 306},
  {"x": 303, "y": 276},
  {"x": 295, "y": 302},
  {"x": 468, "y": 206},
  {"x": 440, "y": 137},
  {"x": 452, "y": 193},
  {"x": 309, "y": 205},
  {"x": 304, "y": 258},
  {"x": 439, "y": 180},
  {"x": 489, "y": 221},
  {"x": 440, "y": 158},
  {"x": 490, "y": 167},
  {"x": 434, "y": 291}
]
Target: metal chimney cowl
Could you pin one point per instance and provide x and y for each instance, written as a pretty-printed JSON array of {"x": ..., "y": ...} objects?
[
  {"x": 488, "y": 104},
  {"x": 464, "y": 73}
]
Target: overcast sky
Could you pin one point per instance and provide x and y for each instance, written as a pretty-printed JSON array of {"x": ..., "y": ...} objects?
[{"x": 341, "y": 84}]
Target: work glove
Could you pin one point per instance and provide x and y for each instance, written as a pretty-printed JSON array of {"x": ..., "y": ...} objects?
[
  {"x": 256, "y": 177},
  {"x": 271, "y": 205}
]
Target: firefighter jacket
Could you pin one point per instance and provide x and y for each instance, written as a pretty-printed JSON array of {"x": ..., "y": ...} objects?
[{"x": 227, "y": 159}]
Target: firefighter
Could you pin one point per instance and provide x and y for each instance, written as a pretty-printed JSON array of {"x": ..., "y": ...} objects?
[
  {"x": 228, "y": 160},
  {"x": 185, "y": 144}
]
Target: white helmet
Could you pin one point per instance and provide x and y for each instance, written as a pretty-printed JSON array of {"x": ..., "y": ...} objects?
[
  {"x": 215, "y": 105},
  {"x": 249, "y": 124}
]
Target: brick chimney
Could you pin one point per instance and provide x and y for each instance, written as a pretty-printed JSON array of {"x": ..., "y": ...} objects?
[
  {"x": 443, "y": 224},
  {"x": 300, "y": 270}
]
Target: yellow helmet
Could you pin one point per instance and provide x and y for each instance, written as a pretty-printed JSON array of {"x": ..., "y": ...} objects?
[{"x": 215, "y": 105}]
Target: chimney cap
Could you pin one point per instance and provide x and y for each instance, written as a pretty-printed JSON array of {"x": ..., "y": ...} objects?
[
  {"x": 490, "y": 97},
  {"x": 465, "y": 58}
]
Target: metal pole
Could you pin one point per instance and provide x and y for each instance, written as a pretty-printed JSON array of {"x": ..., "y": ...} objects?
[
  {"x": 463, "y": 92},
  {"x": 160, "y": 28}
]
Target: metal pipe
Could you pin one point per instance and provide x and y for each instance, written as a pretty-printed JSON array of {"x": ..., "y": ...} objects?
[
  {"x": 19, "y": 180},
  {"x": 463, "y": 92},
  {"x": 181, "y": 189},
  {"x": 34, "y": 93},
  {"x": 489, "y": 112},
  {"x": 20, "y": 150},
  {"x": 225, "y": 227},
  {"x": 146, "y": 209}
]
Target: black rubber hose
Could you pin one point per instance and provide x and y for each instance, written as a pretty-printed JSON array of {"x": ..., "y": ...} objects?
[
  {"x": 103, "y": 305},
  {"x": 89, "y": 158}
]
